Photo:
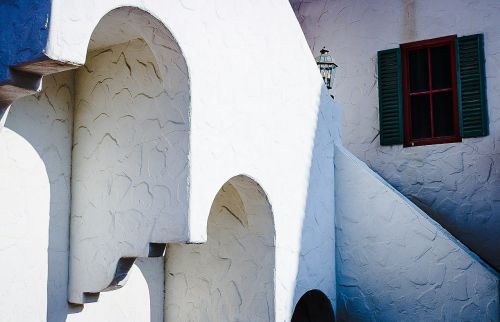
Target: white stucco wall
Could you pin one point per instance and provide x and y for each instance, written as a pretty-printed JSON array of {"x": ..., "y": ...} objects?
[
  {"x": 249, "y": 120},
  {"x": 459, "y": 181},
  {"x": 46, "y": 122},
  {"x": 231, "y": 277},
  {"x": 25, "y": 204},
  {"x": 38, "y": 141},
  {"x": 141, "y": 300},
  {"x": 257, "y": 107},
  {"x": 395, "y": 264},
  {"x": 237, "y": 122},
  {"x": 129, "y": 172}
]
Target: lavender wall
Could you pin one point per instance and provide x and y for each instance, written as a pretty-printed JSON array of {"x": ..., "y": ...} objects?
[
  {"x": 459, "y": 183},
  {"x": 394, "y": 263}
]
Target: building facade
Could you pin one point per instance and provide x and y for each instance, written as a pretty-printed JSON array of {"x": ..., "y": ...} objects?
[
  {"x": 166, "y": 161},
  {"x": 455, "y": 183}
]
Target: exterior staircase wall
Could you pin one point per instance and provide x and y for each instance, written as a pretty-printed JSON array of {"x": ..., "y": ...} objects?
[{"x": 394, "y": 263}]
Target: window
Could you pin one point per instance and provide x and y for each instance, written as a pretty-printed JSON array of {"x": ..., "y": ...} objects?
[
  {"x": 432, "y": 91},
  {"x": 430, "y": 106}
]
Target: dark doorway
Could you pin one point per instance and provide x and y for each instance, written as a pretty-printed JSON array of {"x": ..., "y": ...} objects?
[{"x": 313, "y": 306}]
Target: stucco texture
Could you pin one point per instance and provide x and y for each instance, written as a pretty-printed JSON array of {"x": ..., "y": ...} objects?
[
  {"x": 245, "y": 118},
  {"x": 24, "y": 204},
  {"x": 210, "y": 84},
  {"x": 128, "y": 163},
  {"x": 394, "y": 263},
  {"x": 231, "y": 276},
  {"x": 457, "y": 184},
  {"x": 45, "y": 123}
]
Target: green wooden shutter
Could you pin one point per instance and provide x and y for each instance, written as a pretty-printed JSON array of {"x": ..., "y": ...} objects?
[
  {"x": 471, "y": 86},
  {"x": 390, "y": 97}
]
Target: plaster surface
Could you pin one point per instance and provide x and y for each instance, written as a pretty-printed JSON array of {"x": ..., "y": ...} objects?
[
  {"x": 458, "y": 183},
  {"x": 43, "y": 124},
  {"x": 244, "y": 117},
  {"x": 237, "y": 123},
  {"x": 141, "y": 300},
  {"x": 394, "y": 263},
  {"x": 129, "y": 163},
  {"x": 45, "y": 120},
  {"x": 231, "y": 276},
  {"x": 24, "y": 192}
]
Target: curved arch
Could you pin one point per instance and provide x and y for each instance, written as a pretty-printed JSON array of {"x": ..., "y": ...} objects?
[
  {"x": 131, "y": 22},
  {"x": 251, "y": 192},
  {"x": 231, "y": 277},
  {"x": 248, "y": 185},
  {"x": 313, "y": 306},
  {"x": 130, "y": 164}
]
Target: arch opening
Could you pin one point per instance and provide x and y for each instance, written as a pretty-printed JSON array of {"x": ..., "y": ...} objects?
[
  {"x": 130, "y": 151},
  {"x": 313, "y": 306},
  {"x": 231, "y": 276}
]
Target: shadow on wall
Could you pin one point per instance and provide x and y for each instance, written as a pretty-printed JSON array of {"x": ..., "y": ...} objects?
[
  {"x": 231, "y": 276},
  {"x": 130, "y": 167},
  {"x": 150, "y": 103},
  {"x": 45, "y": 121},
  {"x": 28, "y": 23},
  {"x": 317, "y": 251},
  {"x": 394, "y": 263}
]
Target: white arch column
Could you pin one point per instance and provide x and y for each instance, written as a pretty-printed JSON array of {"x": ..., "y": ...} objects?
[{"x": 130, "y": 157}]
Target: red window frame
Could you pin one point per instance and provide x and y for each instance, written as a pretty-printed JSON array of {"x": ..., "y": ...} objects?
[{"x": 427, "y": 44}]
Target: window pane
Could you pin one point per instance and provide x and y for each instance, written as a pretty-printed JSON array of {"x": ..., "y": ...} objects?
[
  {"x": 420, "y": 117},
  {"x": 442, "y": 110},
  {"x": 441, "y": 68},
  {"x": 419, "y": 70}
]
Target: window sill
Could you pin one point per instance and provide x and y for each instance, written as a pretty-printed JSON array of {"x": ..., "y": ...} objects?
[{"x": 429, "y": 141}]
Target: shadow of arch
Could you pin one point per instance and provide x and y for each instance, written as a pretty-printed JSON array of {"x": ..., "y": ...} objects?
[
  {"x": 130, "y": 151},
  {"x": 313, "y": 306},
  {"x": 231, "y": 276},
  {"x": 25, "y": 222}
]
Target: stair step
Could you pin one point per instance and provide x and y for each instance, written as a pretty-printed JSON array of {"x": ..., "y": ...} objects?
[{"x": 26, "y": 79}]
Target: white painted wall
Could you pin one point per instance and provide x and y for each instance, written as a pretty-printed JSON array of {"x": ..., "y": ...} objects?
[
  {"x": 46, "y": 121},
  {"x": 37, "y": 141},
  {"x": 140, "y": 300},
  {"x": 237, "y": 123},
  {"x": 394, "y": 263},
  {"x": 459, "y": 181},
  {"x": 231, "y": 277},
  {"x": 249, "y": 120},
  {"x": 24, "y": 205},
  {"x": 250, "y": 113},
  {"x": 129, "y": 163}
]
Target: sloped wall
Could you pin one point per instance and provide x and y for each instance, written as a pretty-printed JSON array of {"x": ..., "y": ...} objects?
[{"x": 394, "y": 263}]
